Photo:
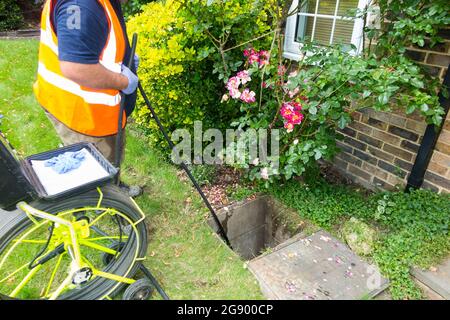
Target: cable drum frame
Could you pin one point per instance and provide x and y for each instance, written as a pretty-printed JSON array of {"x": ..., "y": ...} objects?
[{"x": 15, "y": 231}]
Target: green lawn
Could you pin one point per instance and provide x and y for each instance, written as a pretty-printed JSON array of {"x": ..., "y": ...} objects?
[{"x": 183, "y": 253}]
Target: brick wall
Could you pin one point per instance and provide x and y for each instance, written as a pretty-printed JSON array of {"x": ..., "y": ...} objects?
[{"x": 379, "y": 148}]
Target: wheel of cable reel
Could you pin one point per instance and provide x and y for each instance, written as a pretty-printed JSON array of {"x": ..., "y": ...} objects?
[
  {"x": 142, "y": 289},
  {"x": 96, "y": 229},
  {"x": 107, "y": 257}
]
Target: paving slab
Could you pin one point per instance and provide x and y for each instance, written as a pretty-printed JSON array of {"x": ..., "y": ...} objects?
[
  {"x": 318, "y": 267},
  {"x": 437, "y": 279},
  {"x": 428, "y": 293}
]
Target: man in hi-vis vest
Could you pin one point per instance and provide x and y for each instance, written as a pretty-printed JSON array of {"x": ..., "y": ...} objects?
[{"x": 81, "y": 72}]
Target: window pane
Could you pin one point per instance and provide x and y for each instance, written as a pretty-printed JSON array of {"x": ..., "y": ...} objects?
[
  {"x": 345, "y": 6},
  {"x": 323, "y": 30},
  {"x": 343, "y": 28},
  {"x": 302, "y": 23},
  {"x": 310, "y": 5},
  {"x": 343, "y": 32},
  {"x": 327, "y": 7}
]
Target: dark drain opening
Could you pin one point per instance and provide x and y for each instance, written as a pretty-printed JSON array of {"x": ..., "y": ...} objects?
[{"x": 257, "y": 225}]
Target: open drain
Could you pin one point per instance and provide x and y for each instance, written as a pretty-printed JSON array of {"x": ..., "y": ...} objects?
[{"x": 257, "y": 225}]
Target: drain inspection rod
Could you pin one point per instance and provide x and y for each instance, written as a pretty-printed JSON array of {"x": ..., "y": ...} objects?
[
  {"x": 119, "y": 146},
  {"x": 183, "y": 165}
]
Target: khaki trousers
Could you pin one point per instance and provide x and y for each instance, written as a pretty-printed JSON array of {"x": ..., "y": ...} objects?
[{"x": 106, "y": 145}]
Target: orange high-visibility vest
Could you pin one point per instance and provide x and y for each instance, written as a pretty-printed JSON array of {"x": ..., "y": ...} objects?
[{"x": 93, "y": 112}]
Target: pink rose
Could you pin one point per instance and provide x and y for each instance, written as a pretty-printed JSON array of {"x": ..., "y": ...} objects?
[
  {"x": 289, "y": 126},
  {"x": 253, "y": 58},
  {"x": 296, "y": 118},
  {"x": 248, "y": 96},
  {"x": 293, "y": 74},
  {"x": 244, "y": 76},
  {"x": 293, "y": 93},
  {"x": 233, "y": 83},
  {"x": 235, "y": 93}
]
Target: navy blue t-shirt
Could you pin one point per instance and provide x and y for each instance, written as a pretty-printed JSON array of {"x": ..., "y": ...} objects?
[{"x": 84, "y": 43}]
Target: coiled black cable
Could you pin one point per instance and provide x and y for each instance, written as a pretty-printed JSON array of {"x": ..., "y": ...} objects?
[{"x": 32, "y": 264}]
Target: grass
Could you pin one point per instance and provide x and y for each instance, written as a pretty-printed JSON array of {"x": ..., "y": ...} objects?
[
  {"x": 186, "y": 257},
  {"x": 24, "y": 123}
]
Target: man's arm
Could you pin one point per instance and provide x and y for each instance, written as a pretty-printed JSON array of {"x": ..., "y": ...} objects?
[
  {"x": 94, "y": 76},
  {"x": 80, "y": 47}
]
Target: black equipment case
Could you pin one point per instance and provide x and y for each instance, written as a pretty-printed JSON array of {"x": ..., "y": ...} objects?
[
  {"x": 14, "y": 186},
  {"x": 18, "y": 181}
]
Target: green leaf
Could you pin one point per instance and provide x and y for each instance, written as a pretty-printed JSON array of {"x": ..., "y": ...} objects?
[
  {"x": 318, "y": 154},
  {"x": 424, "y": 107},
  {"x": 410, "y": 108},
  {"x": 417, "y": 83},
  {"x": 342, "y": 122},
  {"x": 384, "y": 98},
  {"x": 312, "y": 110},
  {"x": 366, "y": 93},
  {"x": 377, "y": 74}
]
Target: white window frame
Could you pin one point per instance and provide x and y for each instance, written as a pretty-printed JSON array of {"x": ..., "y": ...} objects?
[{"x": 292, "y": 48}]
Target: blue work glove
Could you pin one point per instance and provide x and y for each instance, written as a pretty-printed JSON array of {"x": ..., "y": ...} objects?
[
  {"x": 66, "y": 162},
  {"x": 133, "y": 80},
  {"x": 137, "y": 61}
]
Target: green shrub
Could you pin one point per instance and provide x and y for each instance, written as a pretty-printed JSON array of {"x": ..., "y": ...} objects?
[
  {"x": 177, "y": 60},
  {"x": 133, "y": 7},
  {"x": 169, "y": 70},
  {"x": 10, "y": 15},
  {"x": 229, "y": 26},
  {"x": 409, "y": 22},
  {"x": 240, "y": 192},
  {"x": 307, "y": 101}
]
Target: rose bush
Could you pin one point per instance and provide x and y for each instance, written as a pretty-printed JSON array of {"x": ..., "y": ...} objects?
[
  {"x": 312, "y": 99},
  {"x": 195, "y": 46}
]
